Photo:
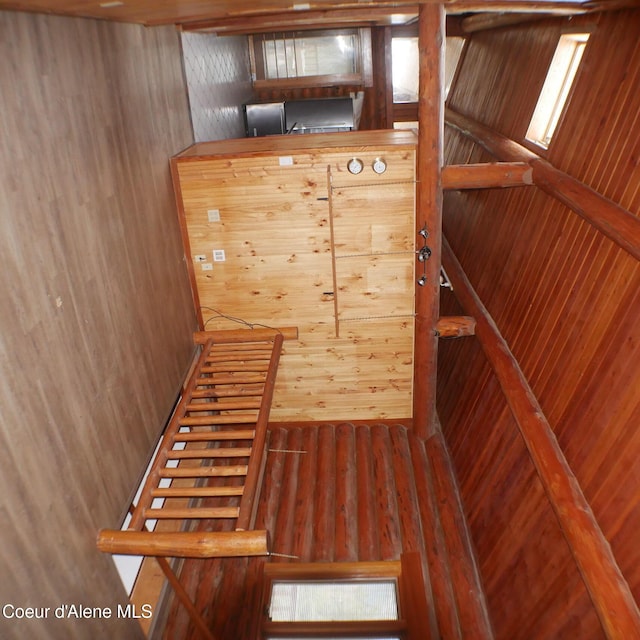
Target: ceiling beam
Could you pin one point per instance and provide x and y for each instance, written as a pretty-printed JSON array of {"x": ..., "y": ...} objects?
[
  {"x": 302, "y": 20},
  {"x": 618, "y": 224},
  {"x": 486, "y": 175}
]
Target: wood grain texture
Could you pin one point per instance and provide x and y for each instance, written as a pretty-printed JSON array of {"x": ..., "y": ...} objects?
[
  {"x": 334, "y": 257},
  {"x": 566, "y": 299},
  {"x": 95, "y": 319},
  {"x": 607, "y": 588},
  {"x": 431, "y": 41},
  {"x": 180, "y": 11},
  {"x": 355, "y": 493}
]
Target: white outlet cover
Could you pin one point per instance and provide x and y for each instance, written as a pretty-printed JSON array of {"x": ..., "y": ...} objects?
[
  {"x": 207, "y": 266},
  {"x": 218, "y": 255},
  {"x": 285, "y": 161},
  {"x": 213, "y": 215}
]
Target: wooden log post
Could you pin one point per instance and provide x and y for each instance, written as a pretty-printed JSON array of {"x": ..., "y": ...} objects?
[
  {"x": 431, "y": 31},
  {"x": 609, "y": 591}
]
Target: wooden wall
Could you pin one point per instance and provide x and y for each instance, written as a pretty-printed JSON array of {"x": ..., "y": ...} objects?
[
  {"x": 96, "y": 315},
  {"x": 568, "y": 301},
  {"x": 337, "y": 262}
]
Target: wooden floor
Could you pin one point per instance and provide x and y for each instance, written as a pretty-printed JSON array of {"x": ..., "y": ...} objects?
[{"x": 349, "y": 492}]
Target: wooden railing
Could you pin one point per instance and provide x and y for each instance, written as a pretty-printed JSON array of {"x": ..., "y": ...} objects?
[
  {"x": 210, "y": 461},
  {"x": 607, "y": 587}
]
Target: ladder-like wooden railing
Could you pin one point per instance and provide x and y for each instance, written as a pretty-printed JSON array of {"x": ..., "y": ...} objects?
[{"x": 210, "y": 461}]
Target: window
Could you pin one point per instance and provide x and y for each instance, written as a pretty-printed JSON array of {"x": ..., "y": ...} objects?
[
  {"x": 405, "y": 66},
  {"x": 317, "y": 58},
  {"x": 556, "y": 88},
  {"x": 352, "y": 599},
  {"x": 331, "y": 600}
]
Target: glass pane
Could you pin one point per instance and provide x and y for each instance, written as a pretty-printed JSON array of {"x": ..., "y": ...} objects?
[
  {"x": 333, "y": 601},
  {"x": 555, "y": 90},
  {"x": 405, "y": 66},
  {"x": 404, "y": 69},
  {"x": 451, "y": 58},
  {"x": 294, "y": 57}
]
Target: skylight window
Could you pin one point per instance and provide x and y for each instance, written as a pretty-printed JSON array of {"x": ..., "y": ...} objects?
[{"x": 556, "y": 88}]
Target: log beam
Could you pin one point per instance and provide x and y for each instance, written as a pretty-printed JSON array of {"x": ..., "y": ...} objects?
[
  {"x": 609, "y": 591},
  {"x": 618, "y": 224},
  {"x": 302, "y": 20},
  {"x": 455, "y": 326},
  {"x": 431, "y": 43},
  {"x": 487, "y": 175},
  {"x": 183, "y": 544}
]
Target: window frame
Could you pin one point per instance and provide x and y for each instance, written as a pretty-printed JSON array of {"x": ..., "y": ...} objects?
[
  {"x": 550, "y": 107},
  {"x": 362, "y": 77},
  {"x": 410, "y": 592}
]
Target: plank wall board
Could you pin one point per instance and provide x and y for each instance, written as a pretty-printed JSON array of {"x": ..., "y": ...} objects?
[
  {"x": 183, "y": 11},
  {"x": 95, "y": 319},
  {"x": 344, "y": 492},
  {"x": 567, "y": 301},
  {"x": 308, "y": 243}
]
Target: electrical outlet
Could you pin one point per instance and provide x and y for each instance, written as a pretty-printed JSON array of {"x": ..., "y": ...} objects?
[
  {"x": 213, "y": 215},
  {"x": 207, "y": 266},
  {"x": 218, "y": 255}
]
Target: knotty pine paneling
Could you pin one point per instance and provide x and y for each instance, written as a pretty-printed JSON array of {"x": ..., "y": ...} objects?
[
  {"x": 567, "y": 300},
  {"x": 283, "y": 214},
  {"x": 96, "y": 316}
]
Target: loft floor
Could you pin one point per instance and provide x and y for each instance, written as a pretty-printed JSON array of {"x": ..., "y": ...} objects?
[{"x": 349, "y": 492}]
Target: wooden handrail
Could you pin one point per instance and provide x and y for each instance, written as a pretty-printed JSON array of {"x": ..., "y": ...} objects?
[
  {"x": 611, "y": 219},
  {"x": 248, "y": 502},
  {"x": 609, "y": 591},
  {"x": 184, "y": 544},
  {"x": 244, "y": 335}
]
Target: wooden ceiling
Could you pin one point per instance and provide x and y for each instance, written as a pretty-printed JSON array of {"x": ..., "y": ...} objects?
[{"x": 232, "y": 15}]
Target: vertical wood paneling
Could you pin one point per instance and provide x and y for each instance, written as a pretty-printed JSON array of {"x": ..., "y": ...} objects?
[
  {"x": 95, "y": 321},
  {"x": 566, "y": 299},
  {"x": 289, "y": 243}
]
